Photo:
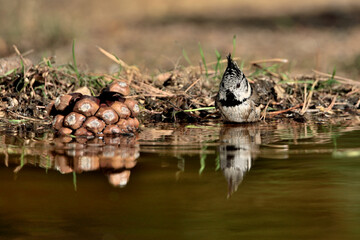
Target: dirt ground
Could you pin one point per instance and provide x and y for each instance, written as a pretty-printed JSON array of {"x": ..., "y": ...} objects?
[{"x": 312, "y": 34}]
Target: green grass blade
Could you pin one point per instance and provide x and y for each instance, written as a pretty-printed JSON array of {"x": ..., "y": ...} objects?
[
  {"x": 333, "y": 73},
  {"x": 186, "y": 57},
  {"x": 203, "y": 60},
  {"x": 8, "y": 72},
  {"x": 296, "y": 82},
  {"x": 330, "y": 82},
  {"x": 48, "y": 62},
  {"x": 22, "y": 78},
  {"x": 48, "y": 163},
  {"x": 332, "y": 79},
  {"x": 199, "y": 109},
  {"x": 234, "y": 45},
  {"x": 218, "y": 59},
  {"x": 218, "y": 55},
  {"x": 74, "y": 181},
  {"x": 202, "y": 159},
  {"x": 242, "y": 64},
  {"x": 74, "y": 60},
  {"x": 217, "y": 162},
  {"x": 16, "y": 121},
  {"x": 22, "y": 162}
]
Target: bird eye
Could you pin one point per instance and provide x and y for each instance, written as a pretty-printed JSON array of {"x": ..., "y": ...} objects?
[
  {"x": 222, "y": 84},
  {"x": 237, "y": 85}
]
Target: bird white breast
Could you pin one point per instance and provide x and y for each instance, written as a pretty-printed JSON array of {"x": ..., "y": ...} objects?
[{"x": 245, "y": 112}]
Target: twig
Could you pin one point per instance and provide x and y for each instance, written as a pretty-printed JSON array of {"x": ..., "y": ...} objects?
[
  {"x": 284, "y": 111},
  {"x": 280, "y": 60},
  {"x": 331, "y": 104},
  {"x": 192, "y": 85},
  {"x": 29, "y": 118},
  {"x": 307, "y": 100},
  {"x": 131, "y": 77},
  {"x": 341, "y": 79},
  {"x": 152, "y": 89},
  {"x": 152, "y": 112},
  {"x": 19, "y": 53},
  {"x": 352, "y": 92},
  {"x": 211, "y": 63},
  {"x": 263, "y": 114},
  {"x": 222, "y": 61},
  {"x": 6, "y": 157},
  {"x": 358, "y": 103},
  {"x": 266, "y": 70},
  {"x": 28, "y": 52},
  {"x": 152, "y": 95},
  {"x": 23, "y": 65},
  {"x": 117, "y": 60},
  {"x": 64, "y": 74},
  {"x": 18, "y": 168}
]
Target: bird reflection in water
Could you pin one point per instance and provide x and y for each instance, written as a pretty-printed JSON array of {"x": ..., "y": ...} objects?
[
  {"x": 238, "y": 149},
  {"x": 115, "y": 156}
]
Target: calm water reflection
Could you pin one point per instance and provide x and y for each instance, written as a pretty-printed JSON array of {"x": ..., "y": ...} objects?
[
  {"x": 262, "y": 181},
  {"x": 239, "y": 146}
]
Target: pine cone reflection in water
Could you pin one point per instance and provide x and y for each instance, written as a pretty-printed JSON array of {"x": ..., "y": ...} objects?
[{"x": 114, "y": 156}]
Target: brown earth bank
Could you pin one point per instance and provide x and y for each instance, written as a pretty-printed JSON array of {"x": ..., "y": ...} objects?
[{"x": 183, "y": 95}]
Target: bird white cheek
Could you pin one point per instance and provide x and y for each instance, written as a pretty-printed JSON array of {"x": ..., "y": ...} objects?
[
  {"x": 245, "y": 94},
  {"x": 248, "y": 93}
]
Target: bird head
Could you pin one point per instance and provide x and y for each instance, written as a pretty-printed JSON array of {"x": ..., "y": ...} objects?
[{"x": 234, "y": 85}]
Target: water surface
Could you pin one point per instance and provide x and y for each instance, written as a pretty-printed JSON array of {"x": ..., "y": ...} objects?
[{"x": 263, "y": 181}]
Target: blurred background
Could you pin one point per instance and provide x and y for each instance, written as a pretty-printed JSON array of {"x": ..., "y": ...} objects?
[{"x": 311, "y": 34}]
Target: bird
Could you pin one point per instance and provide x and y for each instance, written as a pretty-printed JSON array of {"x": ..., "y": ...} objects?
[{"x": 236, "y": 99}]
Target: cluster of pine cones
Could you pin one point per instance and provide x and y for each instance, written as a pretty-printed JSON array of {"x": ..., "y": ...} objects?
[{"x": 110, "y": 113}]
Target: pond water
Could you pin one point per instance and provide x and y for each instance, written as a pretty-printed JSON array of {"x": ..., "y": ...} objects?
[{"x": 261, "y": 181}]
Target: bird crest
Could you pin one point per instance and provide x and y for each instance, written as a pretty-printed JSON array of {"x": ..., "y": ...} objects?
[{"x": 232, "y": 68}]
